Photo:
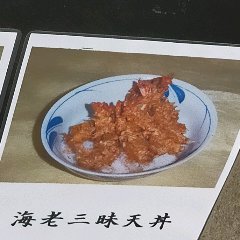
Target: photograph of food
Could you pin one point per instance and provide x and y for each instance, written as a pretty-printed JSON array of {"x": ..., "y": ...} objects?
[{"x": 122, "y": 119}]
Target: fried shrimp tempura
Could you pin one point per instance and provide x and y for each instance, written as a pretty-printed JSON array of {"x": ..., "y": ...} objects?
[{"x": 141, "y": 127}]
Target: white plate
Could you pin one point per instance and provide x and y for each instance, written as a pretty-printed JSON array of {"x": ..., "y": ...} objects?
[{"x": 196, "y": 111}]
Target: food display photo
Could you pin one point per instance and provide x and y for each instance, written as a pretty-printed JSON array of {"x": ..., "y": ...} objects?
[{"x": 121, "y": 118}]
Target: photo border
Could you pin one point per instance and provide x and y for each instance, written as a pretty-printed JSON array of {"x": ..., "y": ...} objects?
[
  {"x": 227, "y": 51},
  {"x": 11, "y": 41}
]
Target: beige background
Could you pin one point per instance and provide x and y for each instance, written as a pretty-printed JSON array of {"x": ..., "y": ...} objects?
[{"x": 53, "y": 72}]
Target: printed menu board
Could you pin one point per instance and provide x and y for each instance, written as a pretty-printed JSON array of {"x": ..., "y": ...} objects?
[{"x": 118, "y": 138}]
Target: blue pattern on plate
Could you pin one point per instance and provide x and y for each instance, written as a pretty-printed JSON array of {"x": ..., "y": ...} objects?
[
  {"x": 52, "y": 123},
  {"x": 166, "y": 94},
  {"x": 179, "y": 92},
  {"x": 51, "y": 139},
  {"x": 207, "y": 112}
]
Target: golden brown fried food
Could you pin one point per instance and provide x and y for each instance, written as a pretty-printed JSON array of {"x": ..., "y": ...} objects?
[{"x": 141, "y": 127}]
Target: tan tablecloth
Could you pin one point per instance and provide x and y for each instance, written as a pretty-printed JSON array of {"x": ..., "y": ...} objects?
[{"x": 53, "y": 72}]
